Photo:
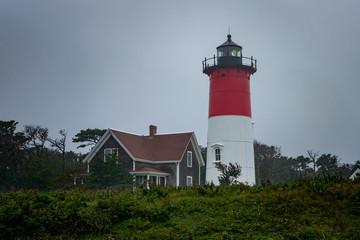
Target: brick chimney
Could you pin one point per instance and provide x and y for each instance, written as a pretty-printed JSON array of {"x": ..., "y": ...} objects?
[{"x": 152, "y": 130}]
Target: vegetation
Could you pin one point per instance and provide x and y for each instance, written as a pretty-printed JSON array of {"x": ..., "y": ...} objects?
[
  {"x": 88, "y": 137},
  {"x": 31, "y": 159},
  {"x": 296, "y": 198},
  {"x": 272, "y": 166},
  {"x": 27, "y": 163},
  {"x": 107, "y": 173},
  {"x": 311, "y": 209},
  {"x": 229, "y": 174}
]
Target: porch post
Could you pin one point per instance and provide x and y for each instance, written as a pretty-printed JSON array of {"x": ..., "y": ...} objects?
[{"x": 177, "y": 174}]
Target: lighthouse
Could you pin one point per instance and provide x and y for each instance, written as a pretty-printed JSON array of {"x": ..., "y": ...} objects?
[{"x": 230, "y": 133}]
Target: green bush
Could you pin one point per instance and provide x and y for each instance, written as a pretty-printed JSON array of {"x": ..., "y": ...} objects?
[{"x": 311, "y": 209}]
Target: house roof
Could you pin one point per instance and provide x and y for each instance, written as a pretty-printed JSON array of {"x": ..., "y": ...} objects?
[
  {"x": 158, "y": 148},
  {"x": 166, "y": 147},
  {"x": 353, "y": 172}
]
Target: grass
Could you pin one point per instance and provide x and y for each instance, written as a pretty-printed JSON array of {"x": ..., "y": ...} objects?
[{"x": 312, "y": 209}]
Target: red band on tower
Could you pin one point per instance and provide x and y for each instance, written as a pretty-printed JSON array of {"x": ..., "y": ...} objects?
[{"x": 229, "y": 92}]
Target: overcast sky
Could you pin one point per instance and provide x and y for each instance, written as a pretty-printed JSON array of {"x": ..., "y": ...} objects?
[{"x": 127, "y": 64}]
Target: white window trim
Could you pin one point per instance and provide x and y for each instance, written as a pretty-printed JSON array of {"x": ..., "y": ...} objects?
[
  {"x": 189, "y": 178},
  {"x": 147, "y": 177},
  {"x": 155, "y": 177},
  {"x": 177, "y": 174},
  {"x": 221, "y": 148},
  {"x": 159, "y": 182},
  {"x": 189, "y": 153},
  {"x": 112, "y": 151},
  {"x": 217, "y": 154}
]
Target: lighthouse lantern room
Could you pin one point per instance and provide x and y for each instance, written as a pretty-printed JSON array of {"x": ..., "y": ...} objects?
[{"x": 230, "y": 137}]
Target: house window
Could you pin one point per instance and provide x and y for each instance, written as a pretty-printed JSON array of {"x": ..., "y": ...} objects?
[
  {"x": 217, "y": 154},
  {"x": 189, "y": 181},
  {"x": 189, "y": 159},
  {"x": 159, "y": 180},
  {"x": 162, "y": 181},
  {"x": 153, "y": 179},
  {"x": 142, "y": 179},
  {"x": 109, "y": 152}
]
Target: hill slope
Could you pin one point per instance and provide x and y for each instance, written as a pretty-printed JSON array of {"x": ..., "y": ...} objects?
[{"x": 313, "y": 209}]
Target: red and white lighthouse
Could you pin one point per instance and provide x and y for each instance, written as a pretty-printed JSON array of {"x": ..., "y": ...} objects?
[{"x": 230, "y": 135}]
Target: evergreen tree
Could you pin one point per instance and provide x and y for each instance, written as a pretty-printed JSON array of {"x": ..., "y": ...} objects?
[
  {"x": 88, "y": 137},
  {"x": 11, "y": 154},
  {"x": 106, "y": 173},
  {"x": 327, "y": 165}
]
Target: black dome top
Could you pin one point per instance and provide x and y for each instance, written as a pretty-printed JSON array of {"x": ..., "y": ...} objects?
[{"x": 229, "y": 43}]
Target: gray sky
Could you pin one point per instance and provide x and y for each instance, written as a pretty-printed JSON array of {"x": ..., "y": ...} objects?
[{"x": 127, "y": 64}]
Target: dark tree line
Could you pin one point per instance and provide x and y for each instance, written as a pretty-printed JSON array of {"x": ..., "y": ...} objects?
[
  {"x": 271, "y": 165},
  {"x": 30, "y": 159}
]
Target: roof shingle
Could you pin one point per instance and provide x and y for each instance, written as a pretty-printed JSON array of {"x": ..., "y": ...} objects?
[{"x": 164, "y": 147}]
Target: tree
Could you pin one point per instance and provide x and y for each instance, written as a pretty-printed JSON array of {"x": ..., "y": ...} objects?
[
  {"x": 283, "y": 170},
  {"x": 11, "y": 153},
  {"x": 327, "y": 165},
  {"x": 266, "y": 162},
  {"x": 36, "y": 173},
  {"x": 44, "y": 168},
  {"x": 302, "y": 166},
  {"x": 88, "y": 137},
  {"x": 203, "y": 151},
  {"x": 345, "y": 169},
  {"x": 37, "y": 138},
  {"x": 106, "y": 173},
  {"x": 313, "y": 158},
  {"x": 228, "y": 173},
  {"x": 60, "y": 145},
  {"x": 74, "y": 172}
]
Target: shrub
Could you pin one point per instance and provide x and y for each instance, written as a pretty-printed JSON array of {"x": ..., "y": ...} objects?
[{"x": 306, "y": 209}]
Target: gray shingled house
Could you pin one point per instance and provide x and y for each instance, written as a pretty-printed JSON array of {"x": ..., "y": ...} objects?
[{"x": 163, "y": 159}]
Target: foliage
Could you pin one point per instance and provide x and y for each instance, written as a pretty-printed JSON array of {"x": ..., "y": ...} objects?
[
  {"x": 271, "y": 166},
  {"x": 31, "y": 159},
  {"x": 11, "y": 153},
  {"x": 88, "y": 137},
  {"x": 326, "y": 208},
  {"x": 327, "y": 165},
  {"x": 36, "y": 173},
  {"x": 203, "y": 151},
  {"x": 266, "y": 158},
  {"x": 313, "y": 155},
  {"x": 106, "y": 173},
  {"x": 229, "y": 174},
  {"x": 60, "y": 145},
  {"x": 37, "y": 137},
  {"x": 27, "y": 163}
]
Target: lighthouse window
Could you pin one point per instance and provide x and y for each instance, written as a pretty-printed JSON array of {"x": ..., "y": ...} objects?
[
  {"x": 235, "y": 53},
  {"x": 222, "y": 53},
  {"x": 217, "y": 154}
]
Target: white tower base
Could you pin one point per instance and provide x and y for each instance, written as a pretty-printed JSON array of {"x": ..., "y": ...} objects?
[{"x": 235, "y": 146}]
